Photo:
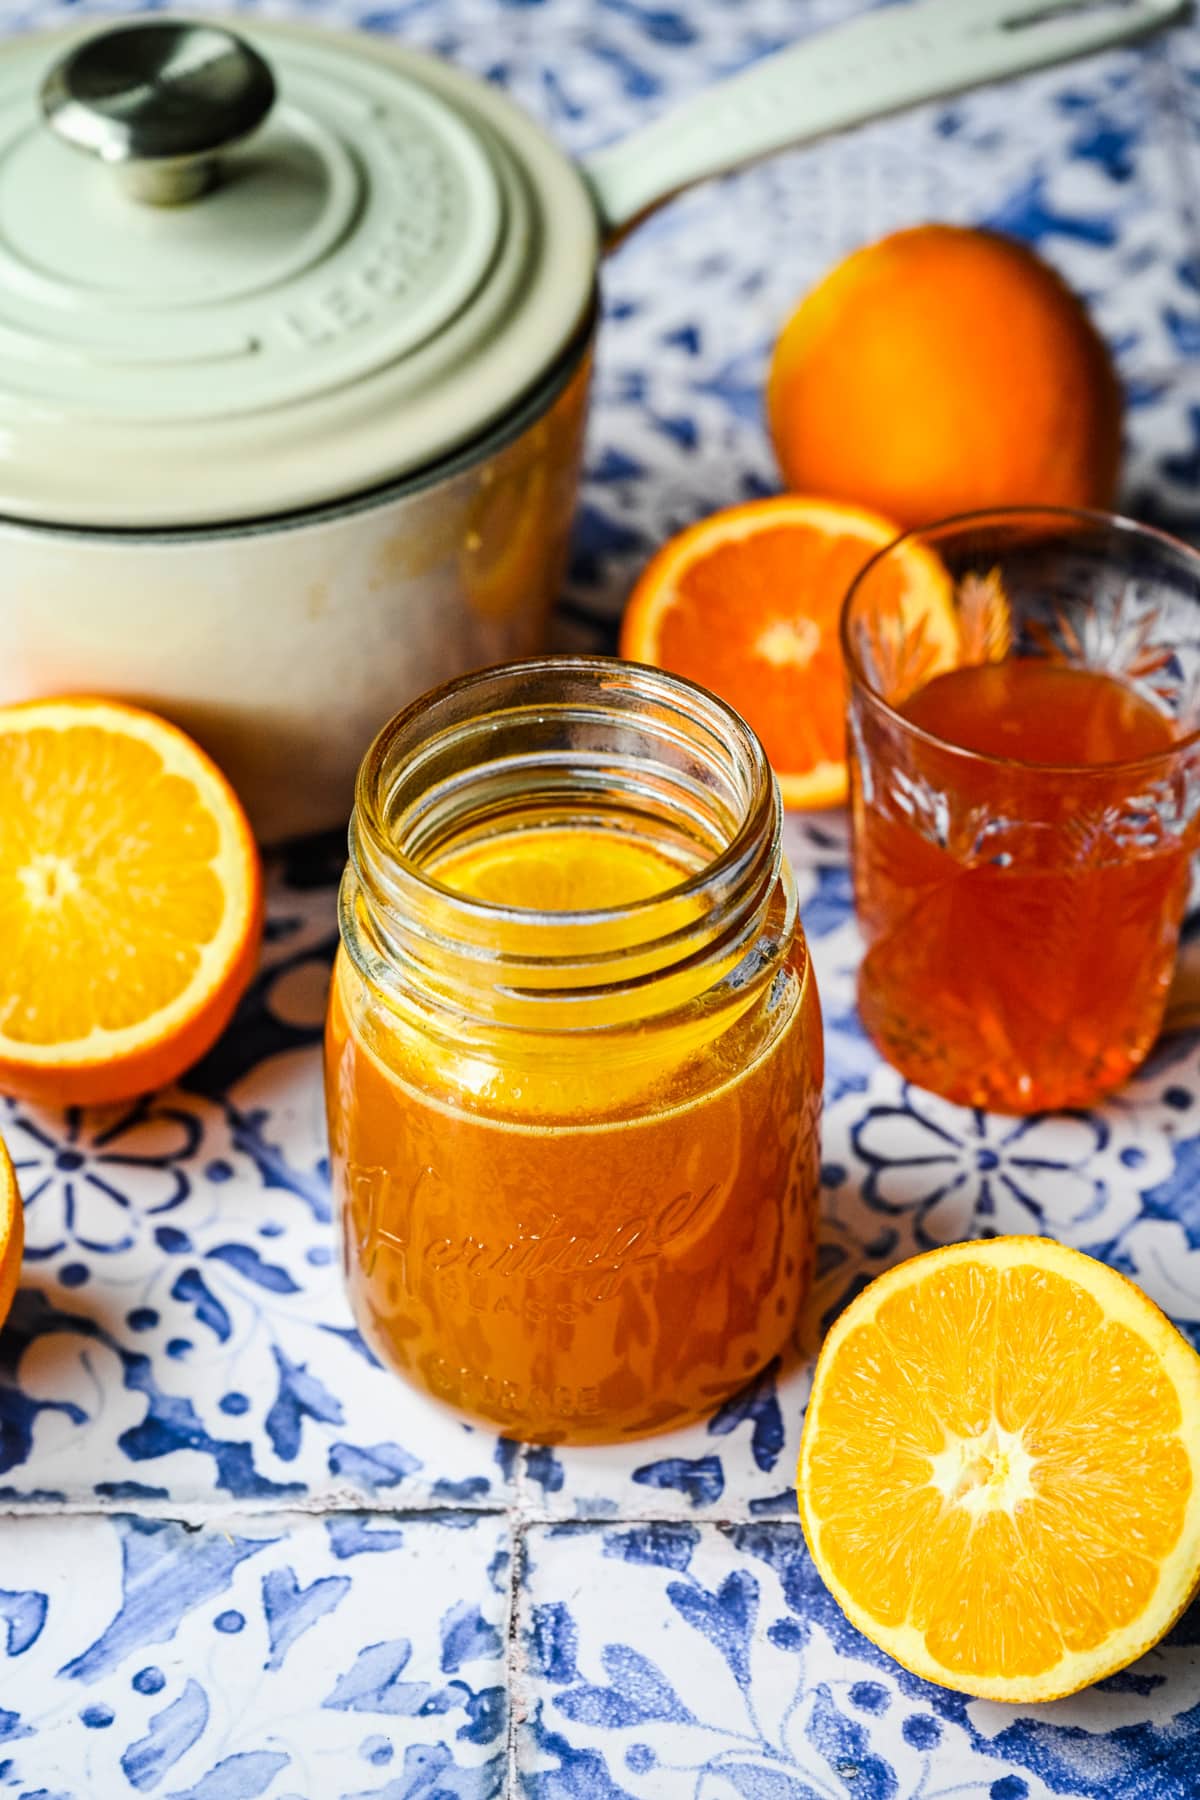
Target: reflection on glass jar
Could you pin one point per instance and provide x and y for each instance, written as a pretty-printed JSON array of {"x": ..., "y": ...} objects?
[{"x": 574, "y": 1052}]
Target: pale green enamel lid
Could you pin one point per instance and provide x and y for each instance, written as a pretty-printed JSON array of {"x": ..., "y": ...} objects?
[{"x": 380, "y": 271}]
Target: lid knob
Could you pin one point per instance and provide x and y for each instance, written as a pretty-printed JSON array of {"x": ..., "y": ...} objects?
[{"x": 159, "y": 101}]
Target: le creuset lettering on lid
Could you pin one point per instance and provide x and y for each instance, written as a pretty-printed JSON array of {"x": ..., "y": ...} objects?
[{"x": 280, "y": 270}]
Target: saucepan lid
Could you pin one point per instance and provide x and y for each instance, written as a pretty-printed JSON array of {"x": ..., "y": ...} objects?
[{"x": 244, "y": 275}]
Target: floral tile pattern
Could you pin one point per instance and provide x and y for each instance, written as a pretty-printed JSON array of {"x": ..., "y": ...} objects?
[
  {"x": 684, "y": 1662},
  {"x": 182, "y": 1312},
  {"x": 294, "y": 1656},
  {"x": 237, "y": 1558}
]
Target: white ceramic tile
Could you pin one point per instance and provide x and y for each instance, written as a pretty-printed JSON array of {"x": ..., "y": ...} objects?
[
  {"x": 295, "y": 1658},
  {"x": 667, "y": 1661}
]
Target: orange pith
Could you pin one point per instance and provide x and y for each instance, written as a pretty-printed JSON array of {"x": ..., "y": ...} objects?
[
  {"x": 746, "y": 603},
  {"x": 1000, "y": 1473},
  {"x": 12, "y": 1233},
  {"x": 130, "y": 901}
]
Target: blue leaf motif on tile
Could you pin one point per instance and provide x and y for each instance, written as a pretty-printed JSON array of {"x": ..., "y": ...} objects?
[
  {"x": 580, "y": 1775},
  {"x": 506, "y": 1455},
  {"x": 11, "y": 1727},
  {"x": 247, "y": 1262},
  {"x": 1104, "y": 140},
  {"x": 542, "y": 1466},
  {"x": 662, "y": 1545},
  {"x": 373, "y": 1466},
  {"x": 248, "y": 1128},
  {"x": 300, "y": 1396},
  {"x": 781, "y": 1546},
  {"x": 24, "y": 1614},
  {"x": 430, "y": 1773},
  {"x": 466, "y": 1636},
  {"x": 373, "y": 1684},
  {"x": 166, "y": 1571},
  {"x": 637, "y": 81},
  {"x": 1184, "y": 331},
  {"x": 130, "y": 1490},
  {"x": 291, "y": 1610},
  {"x": 1028, "y": 214},
  {"x": 639, "y": 1692},
  {"x": 241, "y": 1777},
  {"x": 487, "y": 1712},
  {"x": 553, "y": 1642},
  {"x": 701, "y": 1478},
  {"x": 757, "y": 1402},
  {"x": 845, "y": 1745},
  {"x": 170, "y": 1422},
  {"x": 726, "y": 1617},
  {"x": 356, "y": 1342},
  {"x": 355, "y": 1536},
  {"x": 611, "y": 464},
  {"x": 659, "y": 24},
  {"x": 172, "y": 1733},
  {"x": 679, "y": 428},
  {"x": 461, "y": 1493},
  {"x": 758, "y": 1781},
  {"x": 830, "y": 906},
  {"x": 191, "y": 1289},
  {"x": 18, "y": 1416},
  {"x": 596, "y": 536},
  {"x": 738, "y": 386}
]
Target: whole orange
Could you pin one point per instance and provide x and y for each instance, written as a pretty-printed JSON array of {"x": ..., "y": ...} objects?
[{"x": 940, "y": 370}]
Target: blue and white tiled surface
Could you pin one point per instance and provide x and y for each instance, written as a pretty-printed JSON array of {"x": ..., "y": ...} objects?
[{"x": 236, "y": 1558}]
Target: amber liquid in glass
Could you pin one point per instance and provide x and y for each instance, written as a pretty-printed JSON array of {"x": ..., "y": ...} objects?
[
  {"x": 1035, "y": 975},
  {"x": 595, "y": 1246}
]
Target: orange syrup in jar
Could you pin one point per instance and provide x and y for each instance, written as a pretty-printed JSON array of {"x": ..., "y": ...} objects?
[
  {"x": 576, "y": 1153},
  {"x": 1025, "y": 962}
]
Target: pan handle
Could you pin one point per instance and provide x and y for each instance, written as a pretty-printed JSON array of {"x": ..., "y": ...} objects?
[{"x": 877, "y": 63}]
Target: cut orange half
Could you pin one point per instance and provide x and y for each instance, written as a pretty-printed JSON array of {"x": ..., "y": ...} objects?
[
  {"x": 746, "y": 603},
  {"x": 1000, "y": 1472},
  {"x": 130, "y": 901},
  {"x": 12, "y": 1233}
]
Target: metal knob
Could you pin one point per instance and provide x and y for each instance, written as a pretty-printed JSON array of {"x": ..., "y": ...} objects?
[{"x": 159, "y": 100}]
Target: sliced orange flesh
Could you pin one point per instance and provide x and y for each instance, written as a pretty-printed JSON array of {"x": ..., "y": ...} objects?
[
  {"x": 130, "y": 901},
  {"x": 12, "y": 1233},
  {"x": 559, "y": 868},
  {"x": 747, "y": 602},
  {"x": 1000, "y": 1472}
]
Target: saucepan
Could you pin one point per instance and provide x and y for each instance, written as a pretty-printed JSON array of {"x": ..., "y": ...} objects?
[{"x": 295, "y": 332}]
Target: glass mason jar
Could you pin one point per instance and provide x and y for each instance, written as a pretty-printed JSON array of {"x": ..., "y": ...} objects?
[{"x": 574, "y": 1059}]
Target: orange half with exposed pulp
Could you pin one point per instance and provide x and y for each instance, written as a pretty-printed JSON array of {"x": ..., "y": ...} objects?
[
  {"x": 999, "y": 1477},
  {"x": 12, "y": 1233},
  {"x": 130, "y": 901},
  {"x": 747, "y": 603}
]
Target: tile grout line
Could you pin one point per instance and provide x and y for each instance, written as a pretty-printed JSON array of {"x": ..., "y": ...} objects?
[
  {"x": 514, "y": 1657},
  {"x": 522, "y": 1518}
]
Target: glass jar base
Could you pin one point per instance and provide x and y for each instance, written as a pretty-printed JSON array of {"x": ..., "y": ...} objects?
[{"x": 567, "y": 1421}]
